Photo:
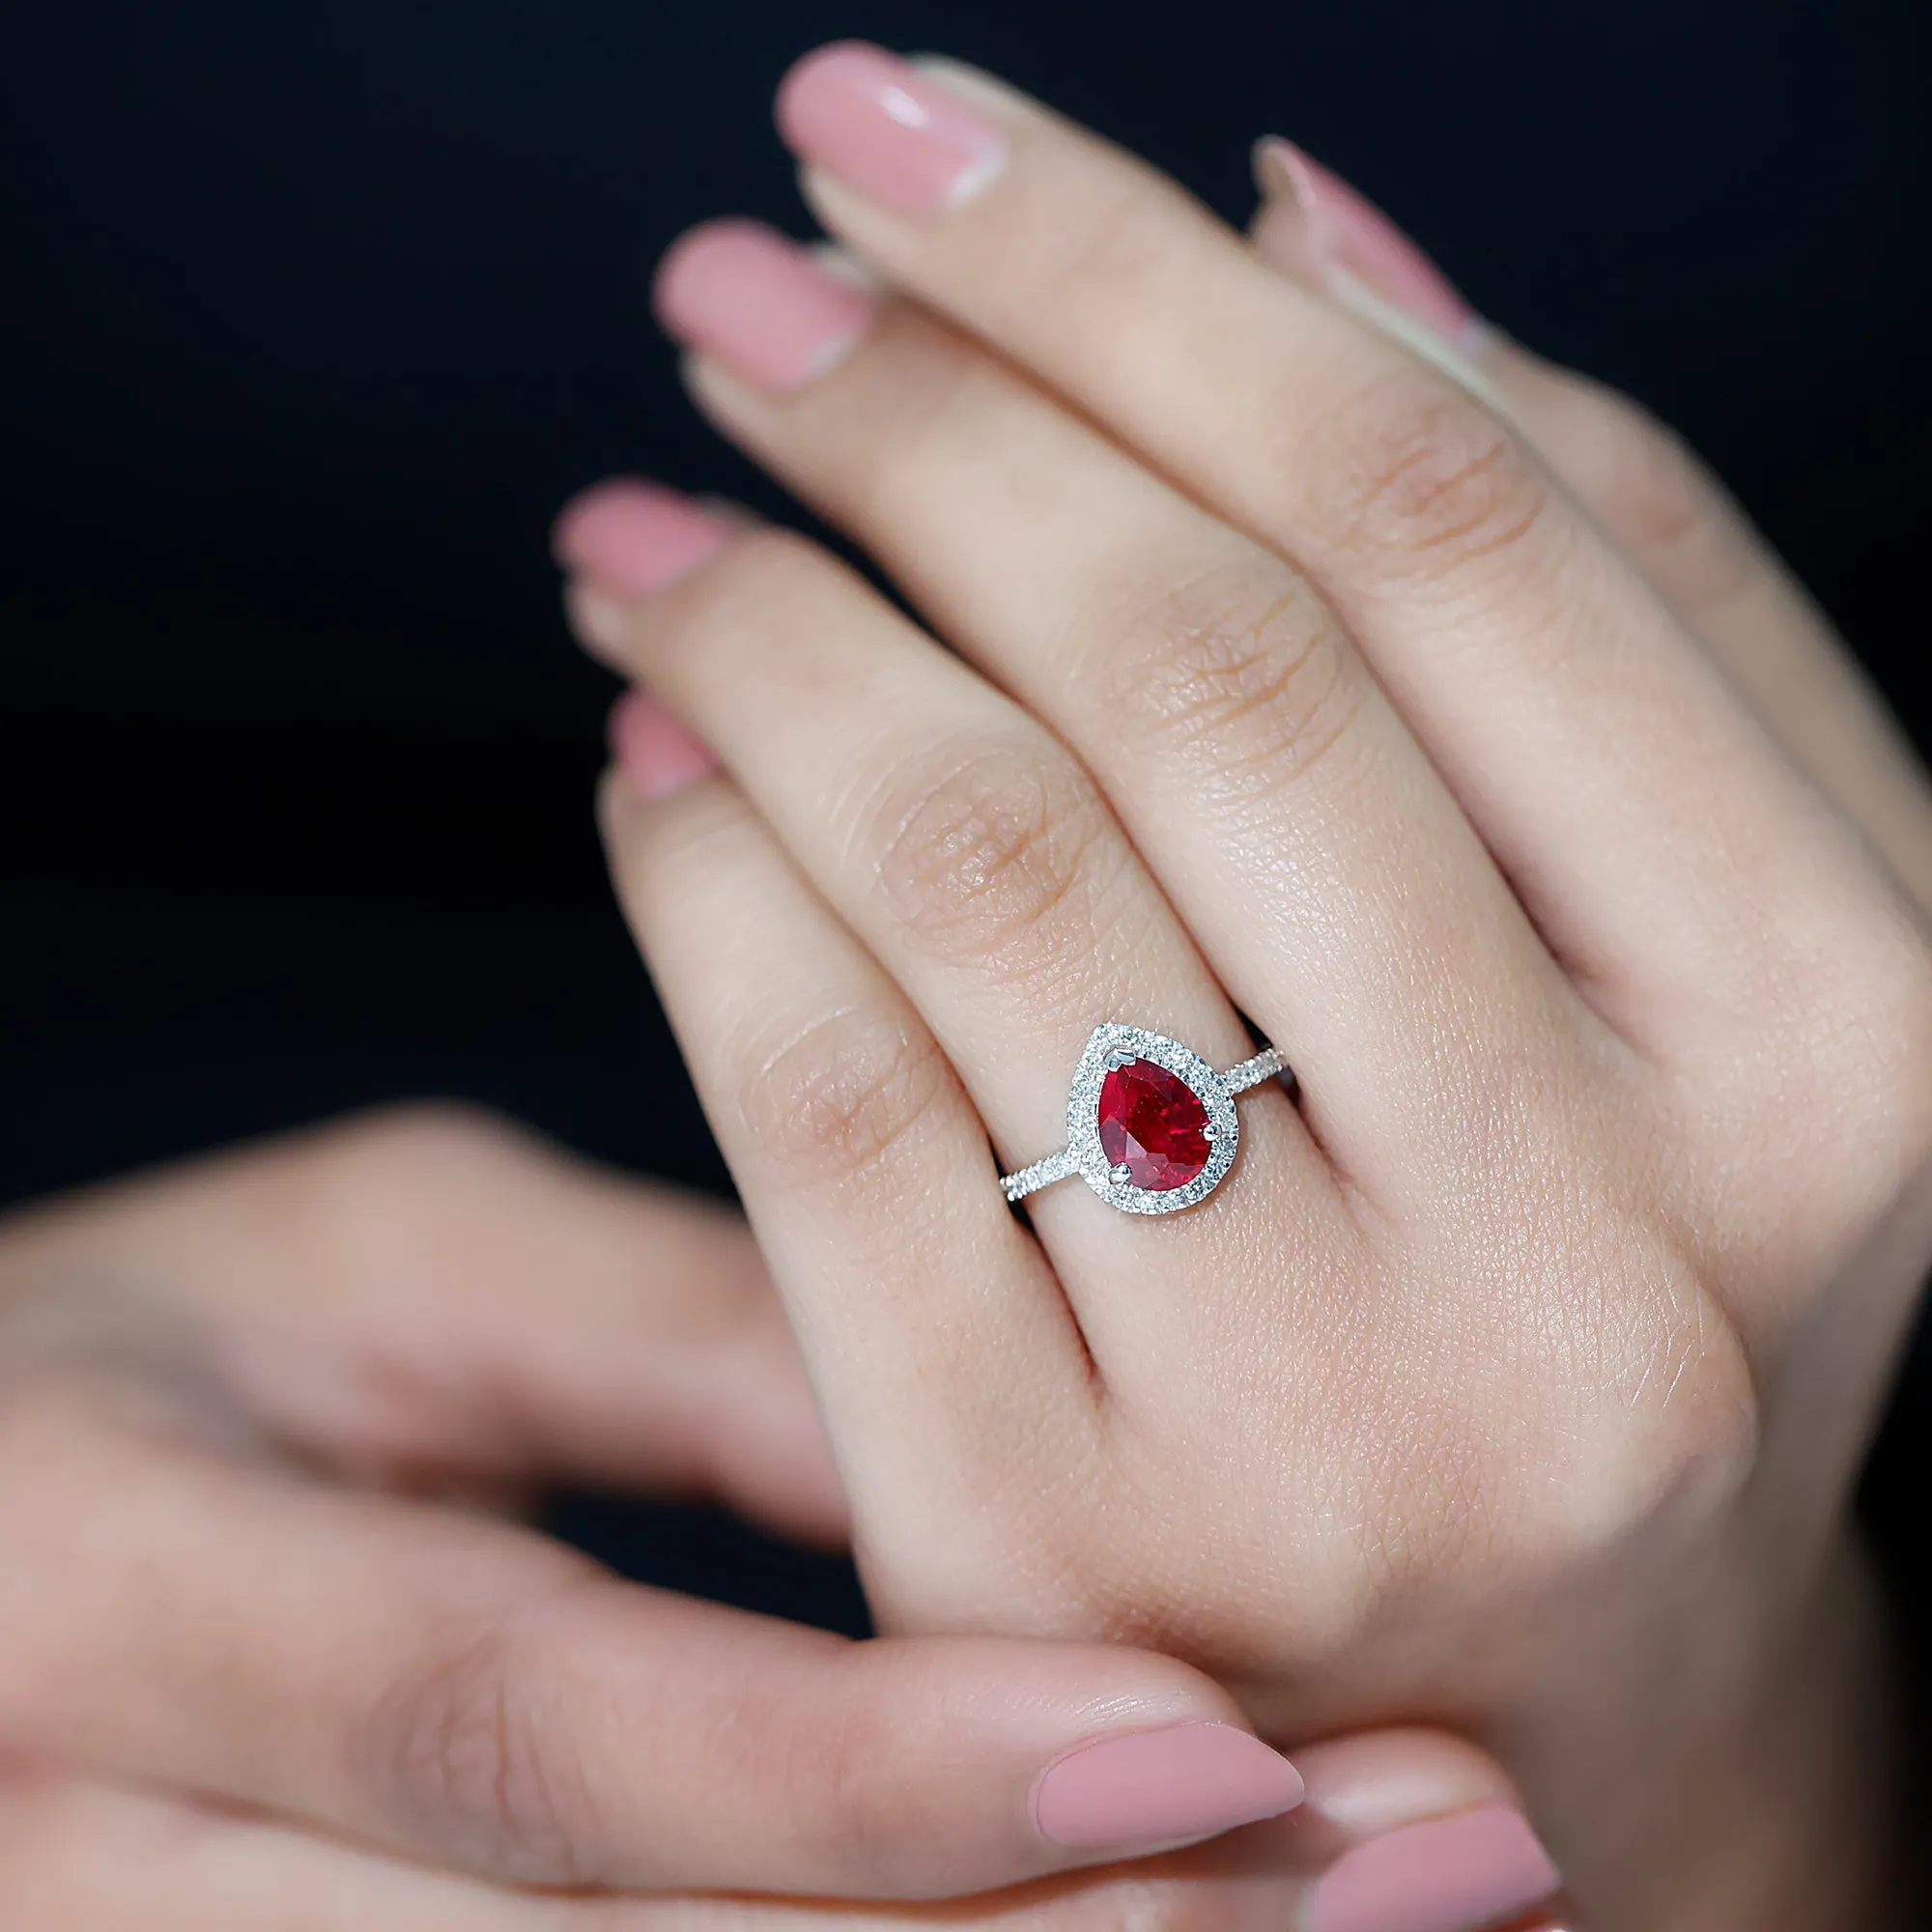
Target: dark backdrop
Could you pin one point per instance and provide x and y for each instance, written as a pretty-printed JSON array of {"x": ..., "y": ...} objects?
[{"x": 315, "y": 313}]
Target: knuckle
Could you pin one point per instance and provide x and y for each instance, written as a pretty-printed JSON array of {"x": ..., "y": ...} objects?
[
  {"x": 471, "y": 1759},
  {"x": 763, "y": 570},
  {"x": 360, "y": 1190},
  {"x": 992, "y": 854},
  {"x": 832, "y": 1101},
  {"x": 1243, "y": 670},
  {"x": 1677, "y": 1412},
  {"x": 1424, "y": 485},
  {"x": 1864, "y": 1072},
  {"x": 1121, "y": 247},
  {"x": 1659, "y": 503},
  {"x": 374, "y": 1193},
  {"x": 859, "y": 1801},
  {"x": 763, "y": 566},
  {"x": 1647, "y": 477},
  {"x": 1803, "y": 1149},
  {"x": 394, "y": 1149},
  {"x": 926, "y": 396},
  {"x": 1637, "y": 1405}
]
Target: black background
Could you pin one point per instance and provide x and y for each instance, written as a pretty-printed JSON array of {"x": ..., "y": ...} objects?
[{"x": 315, "y": 313}]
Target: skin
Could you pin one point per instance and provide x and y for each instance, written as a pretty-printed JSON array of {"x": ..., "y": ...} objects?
[
  {"x": 345, "y": 1333},
  {"x": 1493, "y": 768},
  {"x": 275, "y": 1649}
]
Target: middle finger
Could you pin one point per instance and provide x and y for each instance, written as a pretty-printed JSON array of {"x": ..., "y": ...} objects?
[{"x": 1332, "y": 879}]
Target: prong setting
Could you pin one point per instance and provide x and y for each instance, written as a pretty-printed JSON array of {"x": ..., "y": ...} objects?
[{"x": 1114, "y": 1046}]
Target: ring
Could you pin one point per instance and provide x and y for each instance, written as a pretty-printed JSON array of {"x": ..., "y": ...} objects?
[{"x": 1150, "y": 1127}]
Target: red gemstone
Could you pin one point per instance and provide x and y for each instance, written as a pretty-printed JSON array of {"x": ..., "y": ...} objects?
[{"x": 1152, "y": 1124}]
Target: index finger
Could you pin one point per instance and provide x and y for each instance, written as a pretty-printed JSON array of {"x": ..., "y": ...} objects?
[{"x": 467, "y": 1693}]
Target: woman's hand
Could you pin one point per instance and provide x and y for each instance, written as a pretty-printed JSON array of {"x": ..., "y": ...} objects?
[
  {"x": 1670, "y": 517},
  {"x": 1517, "y": 1376},
  {"x": 266, "y": 1660}
]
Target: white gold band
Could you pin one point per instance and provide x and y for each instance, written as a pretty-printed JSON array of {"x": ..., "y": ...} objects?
[
  {"x": 1268, "y": 1066},
  {"x": 1060, "y": 1166}
]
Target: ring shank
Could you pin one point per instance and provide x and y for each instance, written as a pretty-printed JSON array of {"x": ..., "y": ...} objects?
[
  {"x": 1252, "y": 1072},
  {"x": 1059, "y": 1166}
]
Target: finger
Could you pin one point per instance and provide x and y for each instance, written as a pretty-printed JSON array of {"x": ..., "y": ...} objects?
[
  {"x": 83, "y": 1856},
  {"x": 1418, "y": 1832},
  {"x": 957, "y": 837},
  {"x": 431, "y": 1300},
  {"x": 1542, "y": 675},
  {"x": 1375, "y": 1788},
  {"x": 1235, "y": 730},
  {"x": 1650, "y": 492},
  {"x": 868, "y": 1178},
  {"x": 1685, "y": 532},
  {"x": 462, "y": 1692}
]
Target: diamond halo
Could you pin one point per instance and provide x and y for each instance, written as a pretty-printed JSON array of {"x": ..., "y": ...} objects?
[{"x": 1110, "y": 1047}]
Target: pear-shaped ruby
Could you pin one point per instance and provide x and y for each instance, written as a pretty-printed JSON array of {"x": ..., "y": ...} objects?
[{"x": 1152, "y": 1125}]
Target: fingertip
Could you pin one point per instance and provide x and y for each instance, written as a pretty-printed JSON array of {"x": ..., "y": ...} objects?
[
  {"x": 1378, "y": 1780},
  {"x": 1147, "y": 1790},
  {"x": 791, "y": 104},
  {"x": 631, "y": 538},
  {"x": 654, "y": 753}
]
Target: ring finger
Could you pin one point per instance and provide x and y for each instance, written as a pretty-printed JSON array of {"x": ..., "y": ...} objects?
[
  {"x": 861, "y": 1161},
  {"x": 952, "y": 834}
]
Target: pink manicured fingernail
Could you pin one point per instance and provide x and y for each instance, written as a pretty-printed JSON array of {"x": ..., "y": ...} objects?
[
  {"x": 757, "y": 301},
  {"x": 1460, "y": 1874},
  {"x": 656, "y": 754},
  {"x": 630, "y": 539},
  {"x": 1348, "y": 231},
  {"x": 887, "y": 130},
  {"x": 1152, "y": 1787}
]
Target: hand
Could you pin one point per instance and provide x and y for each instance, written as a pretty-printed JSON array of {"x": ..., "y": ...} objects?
[
  {"x": 1518, "y": 1374},
  {"x": 265, "y": 1660},
  {"x": 1672, "y": 519}
]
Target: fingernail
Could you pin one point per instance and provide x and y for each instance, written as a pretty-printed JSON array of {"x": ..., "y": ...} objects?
[
  {"x": 1350, "y": 236},
  {"x": 1153, "y": 1787},
  {"x": 1466, "y": 1873},
  {"x": 760, "y": 303},
  {"x": 887, "y": 130},
  {"x": 630, "y": 539},
  {"x": 655, "y": 754}
]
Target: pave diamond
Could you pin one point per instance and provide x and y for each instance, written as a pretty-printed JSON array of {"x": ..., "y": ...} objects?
[
  {"x": 1150, "y": 1126},
  {"x": 1153, "y": 1125}
]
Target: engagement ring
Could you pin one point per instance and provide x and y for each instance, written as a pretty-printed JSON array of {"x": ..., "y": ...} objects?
[{"x": 1150, "y": 1127}]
